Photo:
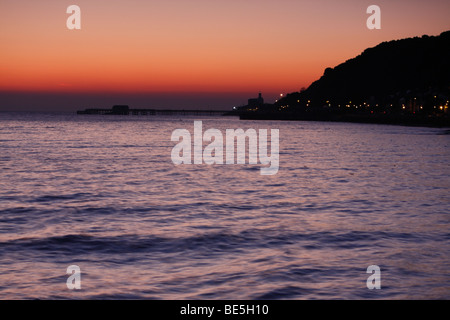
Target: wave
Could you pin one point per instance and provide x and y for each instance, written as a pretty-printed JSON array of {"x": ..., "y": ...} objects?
[{"x": 214, "y": 242}]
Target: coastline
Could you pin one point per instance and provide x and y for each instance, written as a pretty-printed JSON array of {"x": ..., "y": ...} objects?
[{"x": 403, "y": 120}]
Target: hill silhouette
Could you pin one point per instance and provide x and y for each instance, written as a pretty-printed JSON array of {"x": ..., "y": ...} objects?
[{"x": 397, "y": 81}]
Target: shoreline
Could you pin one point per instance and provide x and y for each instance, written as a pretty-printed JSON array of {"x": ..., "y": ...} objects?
[{"x": 402, "y": 120}]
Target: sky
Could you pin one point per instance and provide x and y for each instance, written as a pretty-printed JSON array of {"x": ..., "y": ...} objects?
[{"x": 187, "y": 54}]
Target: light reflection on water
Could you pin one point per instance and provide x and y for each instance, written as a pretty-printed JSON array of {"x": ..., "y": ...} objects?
[{"x": 102, "y": 193}]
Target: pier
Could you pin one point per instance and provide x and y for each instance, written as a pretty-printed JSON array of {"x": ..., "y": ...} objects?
[{"x": 125, "y": 110}]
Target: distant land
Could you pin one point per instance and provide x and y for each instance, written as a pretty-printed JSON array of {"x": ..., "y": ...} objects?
[{"x": 400, "y": 82}]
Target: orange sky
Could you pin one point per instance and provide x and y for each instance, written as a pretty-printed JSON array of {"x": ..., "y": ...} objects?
[{"x": 194, "y": 46}]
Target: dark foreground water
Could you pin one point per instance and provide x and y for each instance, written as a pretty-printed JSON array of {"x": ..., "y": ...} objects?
[{"x": 102, "y": 193}]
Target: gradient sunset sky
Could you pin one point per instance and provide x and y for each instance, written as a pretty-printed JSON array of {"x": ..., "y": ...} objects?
[{"x": 191, "y": 54}]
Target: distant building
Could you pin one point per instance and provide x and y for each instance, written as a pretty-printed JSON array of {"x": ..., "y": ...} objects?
[
  {"x": 256, "y": 102},
  {"x": 254, "y": 105}
]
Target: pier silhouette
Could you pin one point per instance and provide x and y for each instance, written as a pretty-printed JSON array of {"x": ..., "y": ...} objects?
[{"x": 126, "y": 110}]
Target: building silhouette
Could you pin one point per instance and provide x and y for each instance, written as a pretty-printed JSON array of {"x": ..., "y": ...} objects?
[{"x": 256, "y": 102}]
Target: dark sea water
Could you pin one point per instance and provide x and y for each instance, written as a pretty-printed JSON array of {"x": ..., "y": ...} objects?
[{"x": 102, "y": 193}]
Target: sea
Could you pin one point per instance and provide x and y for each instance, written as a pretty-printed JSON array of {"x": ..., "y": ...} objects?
[{"x": 102, "y": 193}]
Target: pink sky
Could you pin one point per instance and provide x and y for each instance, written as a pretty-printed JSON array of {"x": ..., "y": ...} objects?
[{"x": 197, "y": 48}]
